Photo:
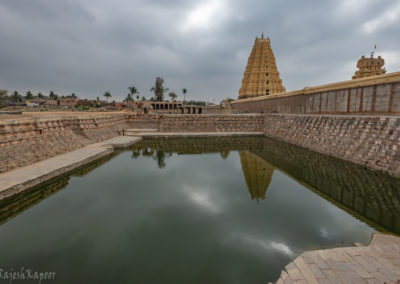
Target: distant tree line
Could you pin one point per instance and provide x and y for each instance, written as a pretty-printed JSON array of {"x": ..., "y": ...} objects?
[
  {"x": 15, "y": 96},
  {"x": 158, "y": 89}
]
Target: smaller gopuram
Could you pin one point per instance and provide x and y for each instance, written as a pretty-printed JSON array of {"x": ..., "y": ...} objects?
[
  {"x": 261, "y": 76},
  {"x": 369, "y": 67}
]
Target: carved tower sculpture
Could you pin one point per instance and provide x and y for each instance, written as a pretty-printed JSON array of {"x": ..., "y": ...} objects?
[
  {"x": 261, "y": 76},
  {"x": 369, "y": 67}
]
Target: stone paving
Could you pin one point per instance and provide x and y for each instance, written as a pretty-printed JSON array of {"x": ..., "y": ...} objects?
[
  {"x": 20, "y": 179},
  {"x": 379, "y": 262}
]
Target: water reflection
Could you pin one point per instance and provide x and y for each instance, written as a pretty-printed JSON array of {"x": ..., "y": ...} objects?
[
  {"x": 368, "y": 195},
  {"x": 257, "y": 172},
  {"x": 371, "y": 196},
  {"x": 15, "y": 205},
  {"x": 175, "y": 218}
]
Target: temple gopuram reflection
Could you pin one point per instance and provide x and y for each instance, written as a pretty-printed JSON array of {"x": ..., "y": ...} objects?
[
  {"x": 371, "y": 196},
  {"x": 257, "y": 172}
]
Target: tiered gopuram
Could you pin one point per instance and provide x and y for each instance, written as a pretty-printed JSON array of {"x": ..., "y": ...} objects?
[
  {"x": 261, "y": 76},
  {"x": 369, "y": 67}
]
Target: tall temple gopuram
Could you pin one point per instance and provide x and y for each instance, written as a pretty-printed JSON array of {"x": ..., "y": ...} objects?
[
  {"x": 261, "y": 76},
  {"x": 369, "y": 67},
  {"x": 257, "y": 172}
]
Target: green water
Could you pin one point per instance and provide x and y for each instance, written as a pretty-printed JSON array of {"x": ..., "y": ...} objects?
[{"x": 194, "y": 211}]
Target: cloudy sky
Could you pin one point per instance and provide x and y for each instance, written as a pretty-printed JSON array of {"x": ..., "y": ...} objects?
[{"x": 89, "y": 47}]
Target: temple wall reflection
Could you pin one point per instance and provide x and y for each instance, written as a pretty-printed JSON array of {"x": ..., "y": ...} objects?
[
  {"x": 11, "y": 207},
  {"x": 371, "y": 196}
]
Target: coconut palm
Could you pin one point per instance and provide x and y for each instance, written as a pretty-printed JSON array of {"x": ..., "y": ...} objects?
[
  {"x": 184, "y": 91},
  {"x": 128, "y": 98},
  {"x": 107, "y": 95},
  {"x": 133, "y": 91}
]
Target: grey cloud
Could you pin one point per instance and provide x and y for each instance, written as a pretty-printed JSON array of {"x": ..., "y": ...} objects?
[{"x": 93, "y": 46}]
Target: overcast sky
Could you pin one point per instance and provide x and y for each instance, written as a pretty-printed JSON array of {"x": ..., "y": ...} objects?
[{"x": 89, "y": 47}]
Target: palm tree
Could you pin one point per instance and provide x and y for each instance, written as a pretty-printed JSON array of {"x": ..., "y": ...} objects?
[
  {"x": 28, "y": 95},
  {"x": 143, "y": 98},
  {"x": 39, "y": 95},
  {"x": 73, "y": 95},
  {"x": 184, "y": 91},
  {"x": 133, "y": 91},
  {"x": 128, "y": 98},
  {"x": 137, "y": 97},
  {"x": 107, "y": 95}
]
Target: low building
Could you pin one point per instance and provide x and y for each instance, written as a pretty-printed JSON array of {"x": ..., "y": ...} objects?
[
  {"x": 68, "y": 102},
  {"x": 173, "y": 107},
  {"x": 51, "y": 103}
]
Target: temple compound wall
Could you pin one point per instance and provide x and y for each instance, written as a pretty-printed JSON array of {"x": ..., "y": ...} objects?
[{"x": 376, "y": 95}]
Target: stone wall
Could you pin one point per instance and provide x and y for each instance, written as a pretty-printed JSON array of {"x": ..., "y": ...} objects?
[
  {"x": 378, "y": 95},
  {"x": 200, "y": 122},
  {"x": 23, "y": 142},
  {"x": 370, "y": 141}
]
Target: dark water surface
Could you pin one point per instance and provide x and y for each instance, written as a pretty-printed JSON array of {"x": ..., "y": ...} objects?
[{"x": 194, "y": 211}]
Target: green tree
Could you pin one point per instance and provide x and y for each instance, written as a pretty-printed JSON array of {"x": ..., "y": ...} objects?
[
  {"x": 107, "y": 95},
  {"x": 28, "y": 95},
  {"x": 159, "y": 89},
  {"x": 16, "y": 97},
  {"x": 132, "y": 92},
  {"x": 3, "y": 94},
  {"x": 53, "y": 96},
  {"x": 137, "y": 97},
  {"x": 184, "y": 91},
  {"x": 160, "y": 158},
  {"x": 173, "y": 96},
  {"x": 73, "y": 95},
  {"x": 40, "y": 96},
  {"x": 128, "y": 98},
  {"x": 143, "y": 98}
]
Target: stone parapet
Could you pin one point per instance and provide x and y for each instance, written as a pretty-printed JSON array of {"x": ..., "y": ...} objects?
[{"x": 372, "y": 95}]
